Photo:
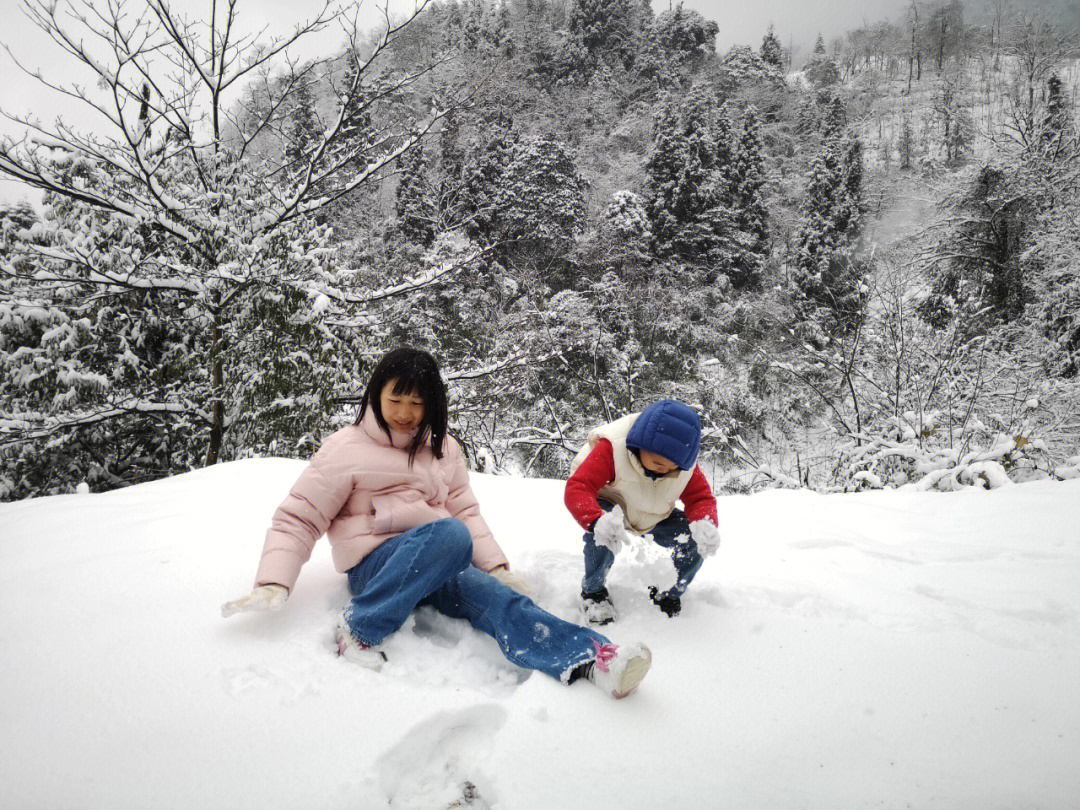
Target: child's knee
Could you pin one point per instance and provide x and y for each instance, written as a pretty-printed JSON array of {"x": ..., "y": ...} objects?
[{"x": 455, "y": 539}]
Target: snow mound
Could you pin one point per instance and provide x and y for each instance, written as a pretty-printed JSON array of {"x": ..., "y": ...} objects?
[{"x": 883, "y": 648}]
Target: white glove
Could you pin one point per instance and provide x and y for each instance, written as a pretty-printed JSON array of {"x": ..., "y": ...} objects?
[
  {"x": 264, "y": 597},
  {"x": 706, "y": 536},
  {"x": 609, "y": 530},
  {"x": 511, "y": 580}
]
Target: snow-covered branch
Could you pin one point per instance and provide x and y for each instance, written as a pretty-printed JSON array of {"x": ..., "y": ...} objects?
[{"x": 23, "y": 427}]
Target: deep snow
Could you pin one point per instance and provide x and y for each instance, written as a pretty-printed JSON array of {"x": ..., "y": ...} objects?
[{"x": 884, "y": 649}]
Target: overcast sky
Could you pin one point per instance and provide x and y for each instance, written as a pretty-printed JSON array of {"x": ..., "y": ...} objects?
[
  {"x": 741, "y": 22},
  {"x": 745, "y": 21}
]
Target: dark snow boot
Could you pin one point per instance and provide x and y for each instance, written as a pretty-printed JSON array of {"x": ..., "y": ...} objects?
[
  {"x": 671, "y": 605},
  {"x": 597, "y": 607}
]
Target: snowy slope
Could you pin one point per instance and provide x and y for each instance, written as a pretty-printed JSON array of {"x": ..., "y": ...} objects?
[{"x": 886, "y": 649}]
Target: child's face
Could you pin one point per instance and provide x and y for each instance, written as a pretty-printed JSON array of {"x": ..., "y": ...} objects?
[
  {"x": 402, "y": 412},
  {"x": 655, "y": 463}
]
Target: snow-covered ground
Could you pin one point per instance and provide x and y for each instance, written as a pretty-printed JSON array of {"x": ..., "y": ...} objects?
[{"x": 886, "y": 649}]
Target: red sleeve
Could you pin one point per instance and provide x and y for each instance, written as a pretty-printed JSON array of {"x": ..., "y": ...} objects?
[
  {"x": 698, "y": 500},
  {"x": 595, "y": 472}
]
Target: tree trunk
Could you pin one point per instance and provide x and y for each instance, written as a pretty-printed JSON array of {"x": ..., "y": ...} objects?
[
  {"x": 941, "y": 46},
  {"x": 217, "y": 407}
]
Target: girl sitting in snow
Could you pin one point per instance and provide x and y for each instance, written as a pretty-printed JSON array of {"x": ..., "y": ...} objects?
[
  {"x": 628, "y": 476},
  {"x": 392, "y": 493}
]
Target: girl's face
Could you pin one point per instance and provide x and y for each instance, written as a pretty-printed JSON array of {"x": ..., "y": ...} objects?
[
  {"x": 402, "y": 412},
  {"x": 656, "y": 463}
]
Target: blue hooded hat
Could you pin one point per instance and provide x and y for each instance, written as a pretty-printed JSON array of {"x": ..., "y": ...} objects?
[{"x": 670, "y": 429}]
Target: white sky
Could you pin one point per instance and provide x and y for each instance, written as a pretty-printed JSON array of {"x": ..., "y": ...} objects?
[
  {"x": 741, "y": 21},
  {"x": 744, "y": 22},
  {"x": 21, "y": 94}
]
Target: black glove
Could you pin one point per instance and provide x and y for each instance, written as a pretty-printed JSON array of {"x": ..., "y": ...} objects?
[{"x": 671, "y": 605}]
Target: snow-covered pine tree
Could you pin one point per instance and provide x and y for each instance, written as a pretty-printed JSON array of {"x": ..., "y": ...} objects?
[
  {"x": 697, "y": 185},
  {"x": 626, "y": 234},
  {"x": 415, "y": 205},
  {"x": 771, "y": 50},
  {"x": 906, "y": 144},
  {"x": 747, "y": 175},
  {"x": 602, "y": 30},
  {"x": 541, "y": 197},
  {"x": 675, "y": 46},
  {"x": 821, "y": 70},
  {"x": 689, "y": 194},
  {"x": 451, "y": 160},
  {"x": 487, "y": 157},
  {"x": 303, "y": 127},
  {"x": 827, "y": 281},
  {"x": 1058, "y": 139}
]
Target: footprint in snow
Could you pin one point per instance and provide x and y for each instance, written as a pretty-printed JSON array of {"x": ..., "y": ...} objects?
[{"x": 439, "y": 762}]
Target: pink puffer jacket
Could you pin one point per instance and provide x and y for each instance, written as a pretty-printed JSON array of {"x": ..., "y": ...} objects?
[{"x": 360, "y": 490}]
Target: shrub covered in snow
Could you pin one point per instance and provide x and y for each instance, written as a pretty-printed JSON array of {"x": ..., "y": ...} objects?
[
  {"x": 1070, "y": 469},
  {"x": 919, "y": 456}
]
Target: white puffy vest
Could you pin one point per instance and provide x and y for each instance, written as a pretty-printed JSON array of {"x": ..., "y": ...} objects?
[{"x": 645, "y": 501}]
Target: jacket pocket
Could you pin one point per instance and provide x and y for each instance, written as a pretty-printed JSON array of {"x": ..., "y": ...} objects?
[{"x": 398, "y": 512}]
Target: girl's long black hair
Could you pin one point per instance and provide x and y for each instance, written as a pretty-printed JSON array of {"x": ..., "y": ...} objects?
[{"x": 416, "y": 372}]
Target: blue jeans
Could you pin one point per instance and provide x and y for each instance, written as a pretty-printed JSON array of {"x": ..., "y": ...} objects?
[
  {"x": 431, "y": 565},
  {"x": 667, "y": 533}
]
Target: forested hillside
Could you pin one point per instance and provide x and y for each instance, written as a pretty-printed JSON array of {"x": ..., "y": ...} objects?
[{"x": 861, "y": 264}]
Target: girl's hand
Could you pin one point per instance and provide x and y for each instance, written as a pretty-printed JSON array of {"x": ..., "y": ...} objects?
[
  {"x": 502, "y": 573},
  {"x": 609, "y": 530},
  {"x": 264, "y": 597}
]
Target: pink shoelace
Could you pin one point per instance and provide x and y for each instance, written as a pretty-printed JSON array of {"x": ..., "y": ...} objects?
[{"x": 605, "y": 654}]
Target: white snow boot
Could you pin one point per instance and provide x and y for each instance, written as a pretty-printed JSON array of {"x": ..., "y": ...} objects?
[
  {"x": 352, "y": 649},
  {"x": 596, "y": 607},
  {"x": 618, "y": 670}
]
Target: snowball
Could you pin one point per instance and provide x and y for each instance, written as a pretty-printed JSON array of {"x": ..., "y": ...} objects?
[{"x": 83, "y": 489}]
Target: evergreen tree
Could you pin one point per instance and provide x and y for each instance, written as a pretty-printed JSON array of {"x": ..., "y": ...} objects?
[
  {"x": 603, "y": 30},
  {"x": 835, "y": 121},
  {"x": 821, "y": 70},
  {"x": 303, "y": 127},
  {"x": 487, "y": 158},
  {"x": 473, "y": 24},
  {"x": 742, "y": 67},
  {"x": 689, "y": 188},
  {"x": 356, "y": 116},
  {"x": 541, "y": 198},
  {"x": 675, "y": 46},
  {"x": 750, "y": 215},
  {"x": 449, "y": 184},
  {"x": 1058, "y": 135},
  {"x": 906, "y": 145},
  {"x": 771, "y": 50},
  {"x": 827, "y": 274},
  {"x": 415, "y": 208},
  {"x": 627, "y": 234}
]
